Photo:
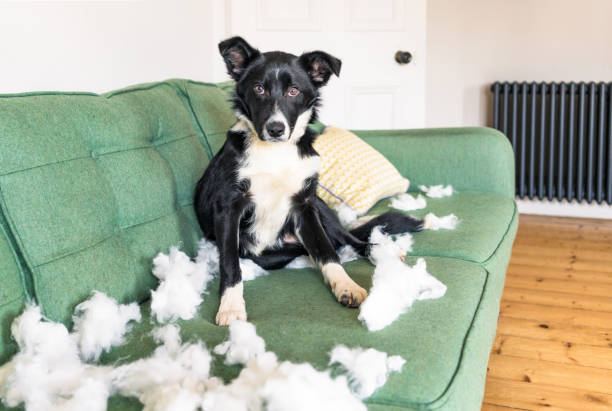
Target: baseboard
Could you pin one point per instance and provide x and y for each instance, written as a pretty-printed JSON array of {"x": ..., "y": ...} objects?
[{"x": 565, "y": 209}]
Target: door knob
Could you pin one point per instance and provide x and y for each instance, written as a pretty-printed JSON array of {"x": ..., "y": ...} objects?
[{"x": 403, "y": 57}]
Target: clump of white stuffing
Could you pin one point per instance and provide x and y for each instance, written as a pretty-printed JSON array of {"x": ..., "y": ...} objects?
[
  {"x": 243, "y": 344},
  {"x": 208, "y": 254},
  {"x": 47, "y": 372},
  {"x": 437, "y": 191},
  {"x": 433, "y": 222},
  {"x": 100, "y": 323},
  {"x": 346, "y": 214},
  {"x": 302, "y": 261},
  {"x": 182, "y": 283},
  {"x": 173, "y": 378},
  {"x": 385, "y": 247},
  {"x": 407, "y": 202},
  {"x": 368, "y": 369},
  {"x": 250, "y": 270},
  {"x": 346, "y": 253},
  {"x": 395, "y": 285},
  {"x": 266, "y": 384}
]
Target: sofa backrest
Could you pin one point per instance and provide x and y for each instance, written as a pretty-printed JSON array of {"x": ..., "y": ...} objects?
[{"x": 92, "y": 187}]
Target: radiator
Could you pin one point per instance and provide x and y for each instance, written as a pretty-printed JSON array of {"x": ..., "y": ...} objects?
[{"x": 562, "y": 138}]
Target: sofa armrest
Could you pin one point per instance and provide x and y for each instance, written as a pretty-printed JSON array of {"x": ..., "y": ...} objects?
[{"x": 469, "y": 158}]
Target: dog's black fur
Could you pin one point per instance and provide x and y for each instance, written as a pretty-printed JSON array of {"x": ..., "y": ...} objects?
[{"x": 272, "y": 91}]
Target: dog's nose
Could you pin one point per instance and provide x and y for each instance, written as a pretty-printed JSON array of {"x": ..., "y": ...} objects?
[{"x": 275, "y": 128}]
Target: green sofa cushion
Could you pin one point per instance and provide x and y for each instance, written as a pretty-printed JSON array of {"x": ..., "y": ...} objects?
[
  {"x": 300, "y": 320},
  {"x": 92, "y": 187},
  {"x": 212, "y": 110},
  {"x": 483, "y": 220}
]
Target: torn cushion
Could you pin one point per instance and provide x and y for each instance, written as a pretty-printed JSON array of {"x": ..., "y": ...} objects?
[{"x": 354, "y": 173}]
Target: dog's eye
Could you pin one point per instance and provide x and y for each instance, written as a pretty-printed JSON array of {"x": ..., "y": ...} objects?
[
  {"x": 259, "y": 89},
  {"x": 293, "y": 92}
]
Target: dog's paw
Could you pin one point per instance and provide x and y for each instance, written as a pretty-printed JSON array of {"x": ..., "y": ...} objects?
[
  {"x": 232, "y": 306},
  {"x": 349, "y": 294},
  {"x": 224, "y": 318}
]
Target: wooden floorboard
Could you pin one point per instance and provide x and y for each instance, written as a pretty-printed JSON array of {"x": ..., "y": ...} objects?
[{"x": 553, "y": 348}]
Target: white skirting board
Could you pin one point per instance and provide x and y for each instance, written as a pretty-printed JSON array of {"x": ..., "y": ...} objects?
[{"x": 565, "y": 209}]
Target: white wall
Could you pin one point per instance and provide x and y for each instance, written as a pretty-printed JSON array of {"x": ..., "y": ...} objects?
[
  {"x": 472, "y": 43},
  {"x": 105, "y": 45}
]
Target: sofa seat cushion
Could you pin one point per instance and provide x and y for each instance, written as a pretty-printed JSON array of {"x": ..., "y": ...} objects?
[
  {"x": 484, "y": 219},
  {"x": 94, "y": 186},
  {"x": 298, "y": 317}
]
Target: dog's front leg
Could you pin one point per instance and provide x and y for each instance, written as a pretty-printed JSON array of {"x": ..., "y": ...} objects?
[
  {"x": 227, "y": 230},
  {"x": 319, "y": 247}
]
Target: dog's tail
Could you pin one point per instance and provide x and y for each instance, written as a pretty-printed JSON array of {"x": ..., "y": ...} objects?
[{"x": 391, "y": 223}]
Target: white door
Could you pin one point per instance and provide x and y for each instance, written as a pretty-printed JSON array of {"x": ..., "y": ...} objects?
[{"x": 373, "y": 90}]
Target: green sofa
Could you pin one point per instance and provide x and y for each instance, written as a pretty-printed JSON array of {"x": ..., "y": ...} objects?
[{"x": 92, "y": 187}]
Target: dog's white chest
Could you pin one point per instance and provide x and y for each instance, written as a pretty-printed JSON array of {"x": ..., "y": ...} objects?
[{"x": 276, "y": 173}]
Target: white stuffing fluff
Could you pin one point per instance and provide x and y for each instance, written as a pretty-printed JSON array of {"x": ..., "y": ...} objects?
[
  {"x": 406, "y": 202},
  {"x": 302, "y": 261},
  {"x": 345, "y": 253},
  {"x": 243, "y": 344},
  {"x": 264, "y": 383},
  {"x": 367, "y": 369},
  {"x": 433, "y": 222},
  {"x": 100, "y": 323},
  {"x": 182, "y": 283},
  {"x": 395, "y": 285},
  {"x": 250, "y": 270},
  {"x": 208, "y": 254},
  {"x": 385, "y": 247},
  {"x": 173, "y": 378},
  {"x": 47, "y": 372},
  {"x": 346, "y": 214},
  {"x": 438, "y": 191}
]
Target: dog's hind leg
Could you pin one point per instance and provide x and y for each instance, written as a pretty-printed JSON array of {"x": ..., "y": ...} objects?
[
  {"x": 336, "y": 233},
  {"x": 312, "y": 235},
  {"x": 275, "y": 258}
]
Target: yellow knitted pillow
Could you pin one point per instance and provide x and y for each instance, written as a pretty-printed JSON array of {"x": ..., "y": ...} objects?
[{"x": 353, "y": 172}]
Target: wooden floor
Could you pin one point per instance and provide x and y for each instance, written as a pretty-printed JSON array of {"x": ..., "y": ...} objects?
[{"x": 553, "y": 348}]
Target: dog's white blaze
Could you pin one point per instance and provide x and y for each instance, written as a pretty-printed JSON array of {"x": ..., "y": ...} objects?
[
  {"x": 276, "y": 172},
  {"x": 280, "y": 117}
]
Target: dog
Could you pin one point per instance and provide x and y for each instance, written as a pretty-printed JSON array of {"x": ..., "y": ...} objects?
[{"x": 257, "y": 198}]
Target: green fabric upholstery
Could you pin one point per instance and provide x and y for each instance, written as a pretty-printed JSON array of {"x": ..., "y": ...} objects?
[
  {"x": 483, "y": 219},
  {"x": 212, "y": 109},
  {"x": 93, "y": 186},
  {"x": 469, "y": 158},
  {"x": 88, "y": 183}
]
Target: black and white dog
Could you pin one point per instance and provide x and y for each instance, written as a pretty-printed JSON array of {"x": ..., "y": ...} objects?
[{"x": 257, "y": 198}]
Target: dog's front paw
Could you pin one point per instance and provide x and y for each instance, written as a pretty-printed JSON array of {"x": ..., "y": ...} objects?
[
  {"x": 232, "y": 306},
  {"x": 224, "y": 318},
  {"x": 349, "y": 294}
]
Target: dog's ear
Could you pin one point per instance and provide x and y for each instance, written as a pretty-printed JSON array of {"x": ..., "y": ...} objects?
[
  {"x": 320, "y": 66},
  {"x": 238, "y": 54}
]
